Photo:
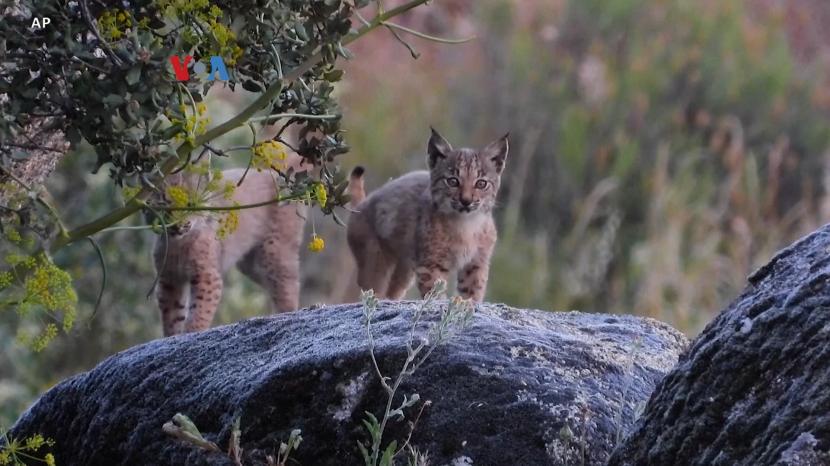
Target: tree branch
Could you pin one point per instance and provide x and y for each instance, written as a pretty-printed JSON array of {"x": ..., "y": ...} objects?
[{"x": 136, "y": 203}]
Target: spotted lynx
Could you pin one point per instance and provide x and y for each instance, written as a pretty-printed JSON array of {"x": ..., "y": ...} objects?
[
  {"x": 265, "y": 246},
  {"x": 427, "y": 223}
]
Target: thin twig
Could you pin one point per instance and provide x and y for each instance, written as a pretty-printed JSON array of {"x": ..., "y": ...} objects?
[
  {"x": 293, "y": 197},
  {"x": 413, "y": 425},
  {"x": 100, "y": 255},
  {"x": 166, "y": 240},
  {"x": 294, "y": 115},
  {"x": 128, "y": 228},
  {"x": 427, "y": 36},
  {"x": 412, "y": 51},
  {"x": 251, "y": 158}
]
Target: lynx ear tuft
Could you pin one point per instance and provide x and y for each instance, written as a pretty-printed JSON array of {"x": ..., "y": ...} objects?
[
  {"x": 438, "y": 147},
  {"x": 496, "y": 152}
]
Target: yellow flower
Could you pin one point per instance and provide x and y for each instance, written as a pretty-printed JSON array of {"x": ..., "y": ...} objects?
[
  {"x": 228, "y": 223},
  {"x": 34, "y": 442},
  {"x": 228, "y": 190},
  {"x": 178, "y": 196},
  {"x": 268, "y": 155},
  {"x": 49, "y": 459},
  {"x": 316, "y": 244},
  {"x": 320, "y": 194},
  {"x": 6, "y": 279},
  {"x": 40, "y": 342},
  {"x": 113, "y": 23},
  {"x": 5, "y": 457}
]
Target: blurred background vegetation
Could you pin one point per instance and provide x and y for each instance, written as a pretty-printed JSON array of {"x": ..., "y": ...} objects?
[{"x": 660, "y": 151}]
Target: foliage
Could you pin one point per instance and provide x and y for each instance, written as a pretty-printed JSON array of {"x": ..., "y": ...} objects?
[
  {"x": 455, "y": 317},
  {"x": 125, "y": 101},
  {"x": 182, "y": 428},
  {"x": 669, "y": 131},
  {"x": 36, "y": 288},
  {"x": 104, "y": 77}
]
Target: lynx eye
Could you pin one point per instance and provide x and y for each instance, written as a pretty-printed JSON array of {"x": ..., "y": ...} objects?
[
  {"x": 452, "y": 182},
  {"x": 481, "y": 184}
]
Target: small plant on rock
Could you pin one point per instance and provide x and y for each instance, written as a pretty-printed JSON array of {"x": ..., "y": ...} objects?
[
  {"x": 454, "y": 317},
  {"x": 182, "y": 428}
]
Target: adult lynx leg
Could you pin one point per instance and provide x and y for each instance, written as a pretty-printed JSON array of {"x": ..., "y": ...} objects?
[
  {"x": 280, "y": 266},
  {"x": 205, "y": 283},
  {"x": 205, "y": 293},
  {"x": 171, "y": 296}
]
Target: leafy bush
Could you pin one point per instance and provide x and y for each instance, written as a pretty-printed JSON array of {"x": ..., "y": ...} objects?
[{"x": 103, "y": 76}]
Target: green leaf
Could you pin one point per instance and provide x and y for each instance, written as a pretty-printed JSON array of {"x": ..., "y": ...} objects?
[
  {"x": 389, "y": 454},
  {"x": 134, "y": 75},
  {"x": 333, "y": 75},
  {"x": 365, "y": 453},
  {"x": 344, "y": 52},
  {"x": 113, "y": 100},
  {"x": 301, "y": 32}
]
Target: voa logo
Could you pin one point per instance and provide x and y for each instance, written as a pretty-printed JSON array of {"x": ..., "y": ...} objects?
[{"x": 182, "y": 72}]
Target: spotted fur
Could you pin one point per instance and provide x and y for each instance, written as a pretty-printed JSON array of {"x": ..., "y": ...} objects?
[
  {"x": 265, "y": 247},
  {"x": 427, "y": 224}
]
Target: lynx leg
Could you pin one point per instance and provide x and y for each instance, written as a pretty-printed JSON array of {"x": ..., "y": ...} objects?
[
  {"x": 280, "y": 266},
  {"x": 172, "y": 302},
  {"x": 373, "y": 267},
  {"x": 205, "y": 283},
  {"x": 430, "y": 271},
  {"x": 205, "y": 293},
  {"x": 373, "y": 273},
  {"x": 472, "y": 279},
  {"x": 401, "y": 280}
]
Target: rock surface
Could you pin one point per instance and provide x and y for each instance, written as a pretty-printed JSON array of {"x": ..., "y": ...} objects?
[
  {"x": 517, "y": 387},
  {"x": 754, "y": 388}
]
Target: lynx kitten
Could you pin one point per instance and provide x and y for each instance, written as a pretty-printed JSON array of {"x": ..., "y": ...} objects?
[
  {"x": 265, "y": 246},
  {"x": 427, "y": 223}
]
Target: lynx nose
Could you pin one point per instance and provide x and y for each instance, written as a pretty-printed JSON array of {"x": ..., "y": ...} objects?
[{"x": 466, "y": 202}]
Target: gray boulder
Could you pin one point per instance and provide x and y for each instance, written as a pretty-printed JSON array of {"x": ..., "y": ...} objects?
[
  {"x": 516, "y": 387},
  {"x": 754, "y": 388}
]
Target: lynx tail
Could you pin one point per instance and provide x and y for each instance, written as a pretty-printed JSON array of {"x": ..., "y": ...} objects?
[{"x": 356, "y": 189}]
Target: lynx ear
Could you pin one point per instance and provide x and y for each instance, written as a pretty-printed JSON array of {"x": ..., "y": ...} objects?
[
  {"x": 437, "y": 148},
  {"x": 496, "y": 152}
]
